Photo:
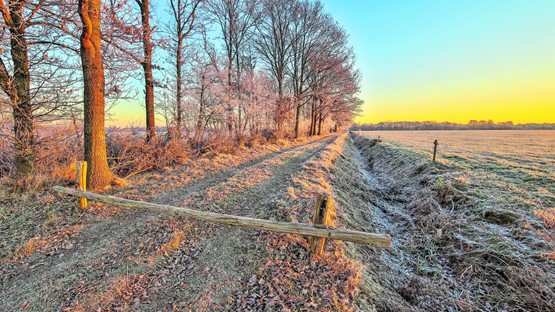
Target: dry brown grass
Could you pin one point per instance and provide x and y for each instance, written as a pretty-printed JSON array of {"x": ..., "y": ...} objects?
[
  {"x": 460, "y": 234},
  {"x": 548, "y": 217},
  {"x": 124, "y": 294},
  {"x": 129, "y": 155},
  {"x": 59, "y": 148},
  {"x": 38, "y": 243},
  {"x": 292, "y": 279}
]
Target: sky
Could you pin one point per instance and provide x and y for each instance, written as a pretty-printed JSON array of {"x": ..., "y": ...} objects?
[
  {"x": 453, "y": 60},
  {"x": 443, "y": 60}
]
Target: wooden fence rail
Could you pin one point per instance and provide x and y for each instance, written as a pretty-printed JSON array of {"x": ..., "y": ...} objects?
[{"x": 377, "y": 240}]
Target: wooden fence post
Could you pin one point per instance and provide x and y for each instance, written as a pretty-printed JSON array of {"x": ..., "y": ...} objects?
[
  {"x": 321, "y": 218},
  {"x": 435, "y": 150},
  {"x": 81, "y": 179}
]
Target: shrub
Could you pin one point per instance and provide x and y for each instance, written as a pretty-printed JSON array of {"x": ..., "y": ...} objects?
[{"x": 129, "y": 155}]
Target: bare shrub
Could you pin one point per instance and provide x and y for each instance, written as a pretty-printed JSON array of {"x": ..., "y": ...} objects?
[
  {"x": 256, "y": 140},
  {"x": 129, "y": 155},
  {"x": 6, "y": 157},
  {"x": 215, "y": 143},
  {"x": 57, "y": 151},
  {"x": 270, "y": 135}
]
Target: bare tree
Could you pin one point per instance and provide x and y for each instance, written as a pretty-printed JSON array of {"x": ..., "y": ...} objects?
[
  {"x": 328, "y": 69},
  {"x": 99, "y": 174},
  {"x": 144, "y": 6},
  {"x": 273, "y": 43},
  {"x": 235, "y": 18},
  {"x": 123, "y": 32},
  {"x": 305, "y": 35},
  {"x": 16, "y": 85},
  {"x": 184, "y": 16}
]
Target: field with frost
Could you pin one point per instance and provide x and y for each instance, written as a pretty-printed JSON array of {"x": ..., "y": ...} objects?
[
  {"x": 473, "y": 232},
  {"x": 519, "y": 165}
]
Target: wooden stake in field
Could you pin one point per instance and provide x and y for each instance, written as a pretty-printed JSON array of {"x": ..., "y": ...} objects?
[
  {"x": 321, "y": 217},
  {"x": 81, "y": 179},
  {"x": 435, "y": 150}
]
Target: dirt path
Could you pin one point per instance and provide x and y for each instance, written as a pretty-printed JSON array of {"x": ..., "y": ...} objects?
[{"x": 161, "y": 262}]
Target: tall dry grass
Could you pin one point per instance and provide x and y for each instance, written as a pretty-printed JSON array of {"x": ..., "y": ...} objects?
[
  {"x": 59, "y": 147},
  {"x": 129, "y": 155}
]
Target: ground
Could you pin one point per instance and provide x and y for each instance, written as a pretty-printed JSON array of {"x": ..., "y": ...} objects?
[
  {"x": 454, "y": 249},
  {"x": 449, "y": 253}
]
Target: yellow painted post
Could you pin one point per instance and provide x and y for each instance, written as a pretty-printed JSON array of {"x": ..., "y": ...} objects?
[{"x": 81, "y": 178}]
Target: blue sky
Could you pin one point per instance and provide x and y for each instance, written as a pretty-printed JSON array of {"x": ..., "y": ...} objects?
[
  {"x": 444, "y": 60},
  {"x": 453, "y": 60}
]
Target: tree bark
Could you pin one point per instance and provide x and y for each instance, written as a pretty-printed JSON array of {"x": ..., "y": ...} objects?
[
  {"x": 17, "y": 88},
  {"x": 99, "y": 174},
  {"x": 178, "y": 68},
  {"x": 147, "y": 68},
  {"x": 313, "y": 117},
  {"x": 297, "y": 116},
  {"x": 320, "y": 120},
  {"x": 199, "y": 129}
]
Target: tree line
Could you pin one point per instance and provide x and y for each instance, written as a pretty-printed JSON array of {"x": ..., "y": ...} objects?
[
  {"x": 207, "y": 67},
  {"x": 432, "y": 125}
]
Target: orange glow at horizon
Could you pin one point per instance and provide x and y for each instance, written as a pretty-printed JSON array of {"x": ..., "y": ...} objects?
[
  {"x": 453, "y": 61},
  {"x": 520, "y": 96}
]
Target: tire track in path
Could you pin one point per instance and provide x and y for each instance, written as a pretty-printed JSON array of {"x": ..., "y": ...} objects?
[
  {"x": 232, "y": 254},
  {"x": 204, "y": 269}
]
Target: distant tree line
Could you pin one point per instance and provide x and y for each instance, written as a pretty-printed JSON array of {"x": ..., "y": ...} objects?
[
  {"x": 432, "y": 125},
  {"x": 206, "y": 67}
]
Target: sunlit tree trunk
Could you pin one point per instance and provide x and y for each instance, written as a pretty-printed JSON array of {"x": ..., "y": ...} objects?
[
  {"x": 313, "y": 117},
  {"x": 179, "y": 82},
  {"x": 99, "y": 174},
  {"x": 297, "y": 116},
  {"x": 199, "y": 129},
  {"x": 16, "y": 86}
]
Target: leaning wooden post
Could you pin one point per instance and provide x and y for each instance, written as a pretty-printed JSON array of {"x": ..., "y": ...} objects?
[
  {"x": 81, "y": 179},
  {"x": 435, "y": 150},
  {"x": 321, "y": 218}
]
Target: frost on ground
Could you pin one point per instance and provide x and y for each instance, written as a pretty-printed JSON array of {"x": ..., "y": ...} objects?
[
  {"x": 108, "y": 258},
  {"x": 456, "y": 247},
  {"x": 464, "y": 238}
]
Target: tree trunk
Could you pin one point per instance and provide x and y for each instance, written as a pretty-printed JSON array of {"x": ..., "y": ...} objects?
[
  {"x": 179, "y": 108},
  {"x": 320, "y": 120},
  {"x": 147, "y": 68},
  {"x": 279, "y": 113},
  {"x": 297, "y": 116},
  {"x": 200, "y": 121},
  {"x": 17, "y": 89},
  {"x": 229, "y": 109},
  {"x": 313, "y": 118},
  {"x": 99, "y": 174}
]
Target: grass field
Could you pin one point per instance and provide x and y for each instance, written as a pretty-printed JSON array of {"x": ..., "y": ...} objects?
[
  {"x": 472, "y": 232},
  {"x": 518, "y": 165},
  {"x": 475, "y": 231}
]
